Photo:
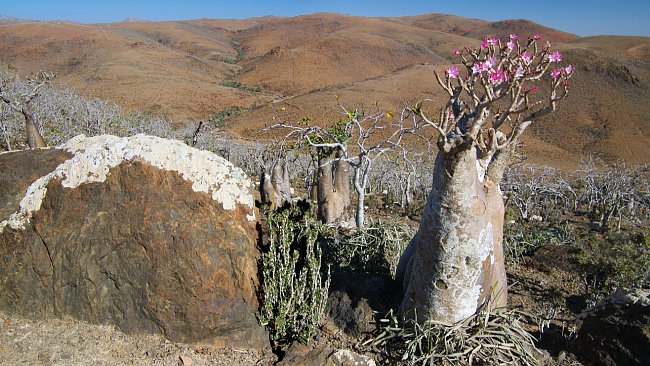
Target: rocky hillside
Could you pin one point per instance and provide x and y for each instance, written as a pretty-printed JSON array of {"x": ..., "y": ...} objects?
[{"x": 192, "y": 69}]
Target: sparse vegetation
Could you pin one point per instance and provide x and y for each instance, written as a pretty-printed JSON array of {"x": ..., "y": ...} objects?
[
  {"x": 294, "y": 287},
  {"x": 238, "y": 85},
  {"x": 600, "y": 211},
  {"x": 240, "y": 52},
  {"x": 375, "y": 248},
  {"x": 615, "y": 261},
  {"x": 218, "y": 119}
]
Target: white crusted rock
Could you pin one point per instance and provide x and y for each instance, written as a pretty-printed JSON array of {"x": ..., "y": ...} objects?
[{"x": 95, "y": 156}]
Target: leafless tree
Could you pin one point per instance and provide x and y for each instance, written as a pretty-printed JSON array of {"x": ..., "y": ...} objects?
[
  {"x": 22, "y": 103},
  {"x": 455, "y": 261},
  {"x": 357, "y": 141},
  {"x": 64, "y": 114},
  {"x": 537, "y": 191},
  {"x": 615, "y": 193}
]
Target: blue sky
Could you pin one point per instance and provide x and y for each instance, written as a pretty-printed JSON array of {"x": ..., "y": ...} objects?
[{"x": 582, "y": 17}]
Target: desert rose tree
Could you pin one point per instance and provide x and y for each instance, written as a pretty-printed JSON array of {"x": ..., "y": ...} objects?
[{"x": 455, "y": 261}]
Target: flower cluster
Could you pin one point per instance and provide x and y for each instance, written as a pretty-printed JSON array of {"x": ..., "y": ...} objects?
[
  {"x": 561, "y": 71},
  {"x": 496, "y": 62}
]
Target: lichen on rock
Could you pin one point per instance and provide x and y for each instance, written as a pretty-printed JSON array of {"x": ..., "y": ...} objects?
[{"x": 93, "y": 157}]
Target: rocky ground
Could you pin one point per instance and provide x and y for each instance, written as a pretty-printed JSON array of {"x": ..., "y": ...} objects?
[
  {"x": 72, "y": 342},
  {"x": 539, "y": 286}
]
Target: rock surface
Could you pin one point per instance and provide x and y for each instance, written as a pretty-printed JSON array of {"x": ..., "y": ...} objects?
[
  {"x": 616, "y": 332},
  {"x": 357, "y": 299},
  {"x": 144, "y": 233},
  {"x": 323, "y": 355}
]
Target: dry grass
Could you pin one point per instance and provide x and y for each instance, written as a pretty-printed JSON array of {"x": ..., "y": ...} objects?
[{"x": 489, "y": 337}]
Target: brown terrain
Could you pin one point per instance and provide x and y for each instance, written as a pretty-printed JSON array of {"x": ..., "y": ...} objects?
[
  {"x": 178, "y": 68},
  {"x": 182, "y": 69}
]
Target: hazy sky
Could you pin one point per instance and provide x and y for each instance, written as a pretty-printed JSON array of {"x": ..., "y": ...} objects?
[{"x": 581, "y": 17}]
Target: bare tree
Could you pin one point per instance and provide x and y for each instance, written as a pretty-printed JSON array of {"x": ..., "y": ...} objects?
[
  {"x": 535, "y": 191},
  {"x": 455, "y": 261},
  {"x": 357, "y": 141},
  {"x": 21, "y": 104},
  {"x": 614, "y": 193},
  {"x": 67, "y": 115}
]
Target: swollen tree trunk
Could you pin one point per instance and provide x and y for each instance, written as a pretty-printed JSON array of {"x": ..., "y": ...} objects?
[
  {"x": 34, "y": 138},
  {"x": 455, "y": 261},
  {"x": 333, "y": 188},
  {"x": 275, "y": 189}
]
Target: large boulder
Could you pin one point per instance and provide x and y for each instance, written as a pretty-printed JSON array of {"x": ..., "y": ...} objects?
[
  {"x": 616, "y": 332},
  {"x": 144, "y": 233}
]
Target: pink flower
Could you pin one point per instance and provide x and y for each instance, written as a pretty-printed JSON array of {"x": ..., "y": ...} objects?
[
  {"x": 513, "y": 36},
  {"x": 476, "y": 68},
  {"x": 452, "y": 72},
  {"x": 451, "y": 115},
  {"x": 525, "y": 56},
  {"x": 537, "y": 36},
  {"x": 490, "y": 62},
  {"x": 568, "y": 69},
  {"x": 511, "y": 45},
  {"x": 556, "y": 73},
  {"x": 455, "y": 51},
  {"x": 555, "y": 56},
  {"x": 493, "y": 41},
  {"x": 496, "y": 75},
  {"x": 484, "y": 44}
]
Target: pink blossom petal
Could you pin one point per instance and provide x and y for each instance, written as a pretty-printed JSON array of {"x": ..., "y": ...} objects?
[
  {"x": 513, "y": 36},
  {"x": 555, "y": 56},
  {"x": 537, "y": 36},
  {"x": 452, "y": 72},
  {"x": 491, "y": 61}
]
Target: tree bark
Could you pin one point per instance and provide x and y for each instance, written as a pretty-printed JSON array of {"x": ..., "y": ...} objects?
[
  {"x": 455, "y": 261},
  {"x": 275, "y": 189},
  {"x": 34, "y": 138},
  {"x": 360, "y": 215},
  {"x": 333, "y": 188}
]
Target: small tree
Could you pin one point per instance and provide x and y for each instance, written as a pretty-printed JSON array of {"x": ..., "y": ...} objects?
[
  {"x": 455, "y": 261},
  {"x": 21, "y": 104}
]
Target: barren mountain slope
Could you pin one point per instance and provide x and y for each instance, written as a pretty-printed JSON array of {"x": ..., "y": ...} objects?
[
  {"x": 131, "y": 70},
  {"x": 520, "y": 27},
  {"x": 178, "y": 68},
  {"x": 298, "y": 55}
]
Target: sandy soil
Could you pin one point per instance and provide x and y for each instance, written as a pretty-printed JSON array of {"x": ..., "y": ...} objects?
[{"x": 72, "y": 342}]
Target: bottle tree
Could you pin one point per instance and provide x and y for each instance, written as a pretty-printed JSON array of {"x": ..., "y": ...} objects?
[{"x": 455, "y": 261}]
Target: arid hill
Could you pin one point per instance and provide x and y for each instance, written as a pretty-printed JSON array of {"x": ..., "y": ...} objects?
[{"x": 191, "y": 69}]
